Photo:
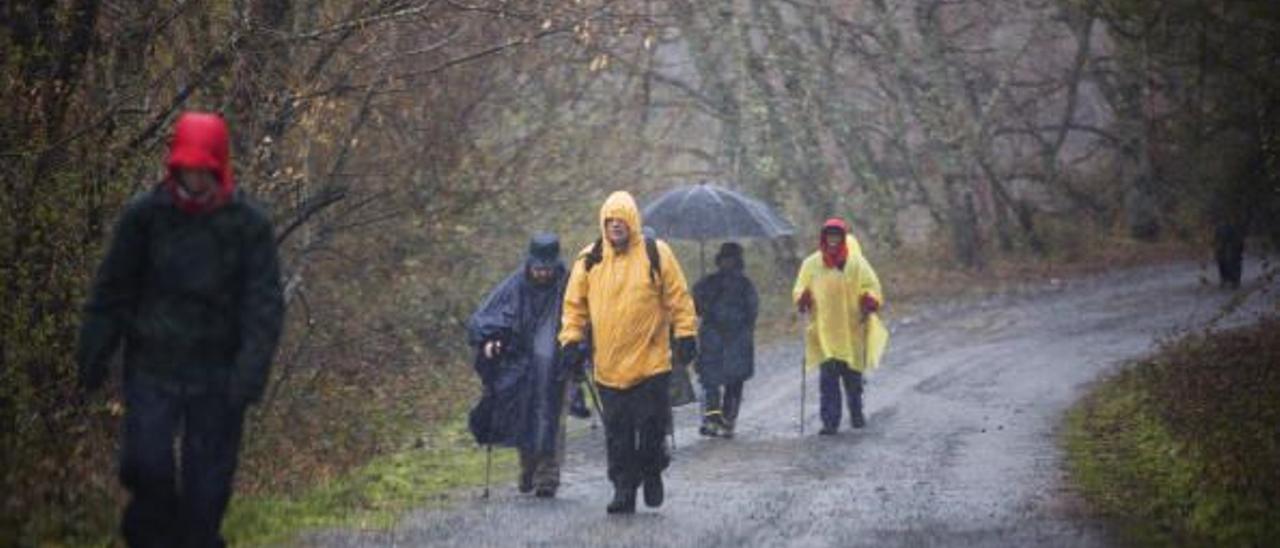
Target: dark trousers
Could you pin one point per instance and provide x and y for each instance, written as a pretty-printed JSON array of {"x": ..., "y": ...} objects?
[
  {"x": 541, "y": 470},
  {"x": 723, "y": 399},
  {"x": 635, "y": 422},
  {"x": 833, "y": 374},
  {"x": 163, "y": 511}
]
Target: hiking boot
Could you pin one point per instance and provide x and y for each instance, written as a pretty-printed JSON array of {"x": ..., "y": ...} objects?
[
  {"x": 724, "y": 428},
  {"x": 526, "y": 483},
  {"x": 858, "y": 420},
  {"x": 715, "y": 425},
  {"x": 624, "y": 501},
  {"x": 653, "y": 491},
  {"x": 545, "y": 492},
  {"x": 827, "y": 431}
]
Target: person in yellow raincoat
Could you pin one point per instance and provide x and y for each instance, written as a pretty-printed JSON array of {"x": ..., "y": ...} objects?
[
  {"x": 632, "y": 292},
  {"x": 845, "y": 337}
]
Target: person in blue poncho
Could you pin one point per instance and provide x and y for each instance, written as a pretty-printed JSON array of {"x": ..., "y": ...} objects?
[{"x": 517, "y": 357}]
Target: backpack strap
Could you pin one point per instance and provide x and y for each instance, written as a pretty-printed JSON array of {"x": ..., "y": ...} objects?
[{"x": 655, "y": 261}]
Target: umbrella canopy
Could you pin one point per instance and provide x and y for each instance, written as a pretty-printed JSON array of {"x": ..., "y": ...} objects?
[{"x": 711, "y": 212}]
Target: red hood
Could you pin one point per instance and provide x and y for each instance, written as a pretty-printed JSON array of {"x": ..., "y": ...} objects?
[
  {"x": 834, "y": 256},
  {"x": 200, "y": 142}
]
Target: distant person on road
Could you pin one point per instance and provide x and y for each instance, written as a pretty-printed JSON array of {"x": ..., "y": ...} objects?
[
  {"x": 840, "y": 290},
  {"x": 727, "y": 304},
  {"x": 632, "y": 292},
  {"x": 1228, "y": 251},
  {"x": 518, "y": 359},
  {"x": 191, "y": 285}
]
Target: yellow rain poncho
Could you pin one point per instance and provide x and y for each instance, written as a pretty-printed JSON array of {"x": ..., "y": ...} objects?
[
  {"x": 630, "y": 315},
  {"x": 837, "y": 329}
]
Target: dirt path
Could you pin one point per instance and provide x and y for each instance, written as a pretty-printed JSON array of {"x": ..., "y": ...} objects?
[{"x": 960, "y": 449}]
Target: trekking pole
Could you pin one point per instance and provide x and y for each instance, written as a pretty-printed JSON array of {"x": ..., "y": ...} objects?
[
  {"x": 866, "y": 344},
  {"x": 803, "y": 384},
  {"x": 488, "y": 464},
  {"x": 671, "y": 425},
  {"x": 595, "y": 399},
  {"x": 671, "y": 419},
  {"x": 597, "y": 420}
]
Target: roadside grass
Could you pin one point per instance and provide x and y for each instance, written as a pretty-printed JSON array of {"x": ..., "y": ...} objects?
[
  {"x": 1126, "y": 464},
  {"x": 372, "y": 496},
  {"x": 1184, "y": 447}
]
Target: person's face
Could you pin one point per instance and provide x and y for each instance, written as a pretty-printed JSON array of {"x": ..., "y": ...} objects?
[
  {"x": 618, "y": 232},
  {"x": 542, "y": 275},
  {"x": 727, "y": 263},
  {"x": 197, "y": 184},
  {"x": 833, "y": 238}
]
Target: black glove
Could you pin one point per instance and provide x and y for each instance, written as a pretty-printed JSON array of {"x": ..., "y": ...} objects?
[
  {"x": 686, "y": 350},
  {"x": 574, "y": 356}
]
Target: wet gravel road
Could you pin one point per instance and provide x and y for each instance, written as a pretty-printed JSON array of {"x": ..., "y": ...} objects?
[{"x": 960, "y": 449}]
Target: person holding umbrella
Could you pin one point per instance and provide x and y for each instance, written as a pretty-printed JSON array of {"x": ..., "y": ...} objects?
[
  {"x": 727, "y": 304},
  {"x": 841, "y": 292},
  {"x": 631, "y": 302}
]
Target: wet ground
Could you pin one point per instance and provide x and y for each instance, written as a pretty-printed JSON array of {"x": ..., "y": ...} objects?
[{"x": 960, "y": 447}]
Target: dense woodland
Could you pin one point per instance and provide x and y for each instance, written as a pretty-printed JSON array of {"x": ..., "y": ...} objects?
[{"x": 407, "y": 148}]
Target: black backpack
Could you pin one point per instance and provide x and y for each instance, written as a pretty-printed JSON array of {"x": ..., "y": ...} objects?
[{"x": 596, "y": 254}]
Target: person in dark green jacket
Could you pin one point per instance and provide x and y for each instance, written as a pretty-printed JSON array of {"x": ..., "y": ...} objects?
[{"x": 191, "y": 286}]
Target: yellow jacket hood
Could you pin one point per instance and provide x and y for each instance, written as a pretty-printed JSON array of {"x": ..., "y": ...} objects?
[{"x": 622, "y": 206}]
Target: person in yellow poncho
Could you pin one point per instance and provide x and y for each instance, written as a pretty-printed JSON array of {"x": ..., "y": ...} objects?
[
  {"x": 845, "y": 337},
  {"x": 633, "y": 294}
]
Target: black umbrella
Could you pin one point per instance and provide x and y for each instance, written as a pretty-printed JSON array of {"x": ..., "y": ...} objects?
[{"x": 711, "y": 212}]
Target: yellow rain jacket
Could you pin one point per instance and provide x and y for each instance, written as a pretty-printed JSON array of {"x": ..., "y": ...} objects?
[
  {"x": 630, "y": 315},
  {"x": 838, "y": 329}
]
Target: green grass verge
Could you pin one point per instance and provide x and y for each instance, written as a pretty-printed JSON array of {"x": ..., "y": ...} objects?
[
  {"x": 1126, "y": 464},
  {"x": 373, "y": 496},
  {"x": 1137, "y": 474}
]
